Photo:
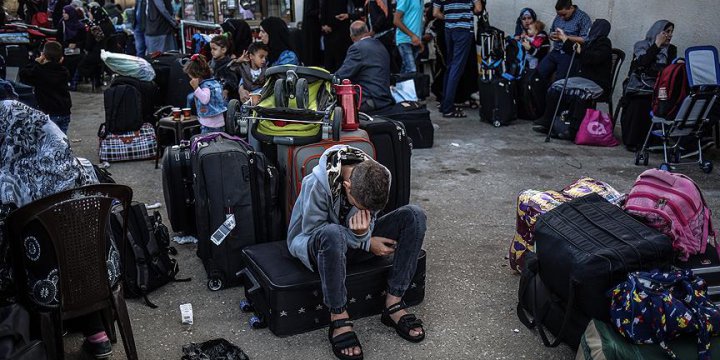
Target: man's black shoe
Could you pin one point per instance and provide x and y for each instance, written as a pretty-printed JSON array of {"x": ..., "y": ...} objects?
[
  {"x": 101, "y": 350},
  {"x": 540, "y": 128}
]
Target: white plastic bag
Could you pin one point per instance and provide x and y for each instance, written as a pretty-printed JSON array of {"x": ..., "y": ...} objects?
[
  {"x": 404, "y": 91},
  {"x": 128, "y": 65}
]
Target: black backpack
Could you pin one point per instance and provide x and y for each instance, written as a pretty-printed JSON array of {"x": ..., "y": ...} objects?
[
  {"x": 123, "y": 109},
  {"x": 146, "y": 256},
  {"x": 148, "y": 94}
]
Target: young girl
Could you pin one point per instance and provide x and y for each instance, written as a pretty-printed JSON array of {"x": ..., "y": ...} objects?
[
  {"x": 208, "y": 95},
  {"x": 220, "y": 65},
  {"x": 535, "y": 43}
]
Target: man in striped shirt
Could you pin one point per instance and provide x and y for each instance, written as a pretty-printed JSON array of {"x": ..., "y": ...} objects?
[{"x": 459, "y": 38}]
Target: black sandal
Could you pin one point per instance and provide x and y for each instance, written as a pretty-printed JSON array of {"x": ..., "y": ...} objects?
[
  {"x": 457, "y": 113},
  {"x": 344, "y": 341},
  {"x": 407, "y": 322}
]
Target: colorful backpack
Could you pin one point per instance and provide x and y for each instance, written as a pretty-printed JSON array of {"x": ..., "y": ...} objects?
[
  {"x": 671, "y": 88},
  {"x": 673, "y": 204},
  {"x": 514, "y": 59},
  {"x": 654, "y": 307}
]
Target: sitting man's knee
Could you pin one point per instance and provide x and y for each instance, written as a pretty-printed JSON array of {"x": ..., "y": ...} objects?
[
  {"x": 331, "y": 238},
  {"x": 413, "y": 213}
]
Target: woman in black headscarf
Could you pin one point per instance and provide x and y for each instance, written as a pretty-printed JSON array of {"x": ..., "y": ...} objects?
[
  {"x": 240, "y": 35},
  {"x": 527, "y": 17},
  {"x": 650, "y": 56},
  {"x": 311, "y": 54},
  {"x": 275, "y": 34},
  {"x": 73, "y": 35},
  {"x": 594, "y": 80}
]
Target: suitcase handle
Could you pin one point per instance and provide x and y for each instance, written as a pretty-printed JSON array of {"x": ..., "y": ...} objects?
[{"x": 251, "y": 278}]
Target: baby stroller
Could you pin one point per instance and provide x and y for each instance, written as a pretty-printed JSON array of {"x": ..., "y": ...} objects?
[
  {"x": 692, "y": 120},
  {"x": 297, "y": 107}
]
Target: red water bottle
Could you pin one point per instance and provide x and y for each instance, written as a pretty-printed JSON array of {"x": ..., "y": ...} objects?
[{"x": 346, "y": 97}]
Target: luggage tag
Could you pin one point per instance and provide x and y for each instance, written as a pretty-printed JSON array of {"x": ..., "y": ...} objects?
[{"x": 225, "y": 228}]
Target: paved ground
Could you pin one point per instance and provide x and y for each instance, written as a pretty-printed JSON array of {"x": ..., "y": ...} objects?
[{"x": 467, "y": 184}]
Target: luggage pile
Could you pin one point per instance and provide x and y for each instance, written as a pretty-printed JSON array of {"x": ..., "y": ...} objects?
[
  {"x": 597, "y": 265},
  {"x": 235, "y": 192}
]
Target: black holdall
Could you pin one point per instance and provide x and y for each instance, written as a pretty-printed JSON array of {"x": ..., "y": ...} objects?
[
  {"x": 145, "y": 257},
  {"x": 587, "y": 246},
  {"x": 15, "y": 343}
]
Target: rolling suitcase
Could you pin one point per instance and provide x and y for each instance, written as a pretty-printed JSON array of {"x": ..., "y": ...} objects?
[
  {"x": 497, "y": 102},
  {"x": 393, "y": 149},
  {"x": 296, "y": 162},
  {"x": 236, "y": 202},
  {"x": 587, "y": 246},
  {"x": 416, "y": 118},
  {"x": 177, "y": 176},
  {"x": 288, "y": 298}
]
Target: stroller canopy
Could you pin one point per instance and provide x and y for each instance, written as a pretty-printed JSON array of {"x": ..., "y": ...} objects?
[{"x": 702, "y": 66}]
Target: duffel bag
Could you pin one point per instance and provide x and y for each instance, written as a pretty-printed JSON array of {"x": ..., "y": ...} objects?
[
  {"x": 134, "y": 145},
  {"x": 587, "y": 246}
]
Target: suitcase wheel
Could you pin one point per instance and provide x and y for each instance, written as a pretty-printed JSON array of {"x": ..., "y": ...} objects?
[
  {"x": 497, "y": 123},
  {"x": 257, "y": 322},
  {"x": 642, "y": 157},
  {"x": 706, "y": 166},
  {"x": 246, "y": 306},
  {"x": 215, "y": 284}
]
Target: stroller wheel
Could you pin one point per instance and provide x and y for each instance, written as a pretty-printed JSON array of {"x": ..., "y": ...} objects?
[
  {"x": 302, "y": 94},
  {"x": 706, "y": 166},
  {"x": 664, "y": 167},
  {"x": 497, "y": 123},
  {"x": 337, "y": 123},
  {"x": 279, "y": 92},
  {"x": 233, "y": 109}
]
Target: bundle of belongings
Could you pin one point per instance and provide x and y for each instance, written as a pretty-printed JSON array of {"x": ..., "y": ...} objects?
[{"x": 619, "y": 276}]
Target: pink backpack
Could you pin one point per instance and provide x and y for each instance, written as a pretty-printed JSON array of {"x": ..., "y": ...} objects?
[{"x": 673, "y": 204}]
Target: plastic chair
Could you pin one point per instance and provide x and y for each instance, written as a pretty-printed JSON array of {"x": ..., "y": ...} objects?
[
  {"x": 618, "y": 58},
  {"x": 75, "y": 223}
]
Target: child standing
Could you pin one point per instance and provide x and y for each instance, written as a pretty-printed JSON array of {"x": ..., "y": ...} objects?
[
  {"x": 220, "y": 65},
  {"x": 208, "y": 95},
  {"x": 536, "y": 43},
  {"x": 252, "y": 71},
  {"x": 50, "y": 80}
]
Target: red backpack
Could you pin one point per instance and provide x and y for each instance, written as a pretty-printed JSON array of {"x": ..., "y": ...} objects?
[{"x": 670, "y": 91}]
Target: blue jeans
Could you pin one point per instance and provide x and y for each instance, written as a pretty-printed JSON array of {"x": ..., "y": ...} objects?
[
  {"x": 408, "y": 54},
  {"x": 557, "y": 63},
  {"x": 329, "y": 254},
  {"x": 139, "y": 43},
  {"x": 459, "y": 42},
  {"x": 205, "y": 129},
  {"x": 160, "y": 43},
  {"x": 62, "y": 121}
]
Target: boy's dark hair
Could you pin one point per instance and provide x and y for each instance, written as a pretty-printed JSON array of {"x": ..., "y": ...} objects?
[
  {"x": 370, "y": 185},
  {"x": 539, "y": 26},
  {"x": 563, "y": 4},
  {"x": 198, "y": 67},
  {"x": 222, "y": 41},
  {"x": 257, "y": 46},
  {"x": 53, "y": 51}
]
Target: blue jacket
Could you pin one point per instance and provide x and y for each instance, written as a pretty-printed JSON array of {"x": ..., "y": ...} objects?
[{"x": 217, "y": 103}]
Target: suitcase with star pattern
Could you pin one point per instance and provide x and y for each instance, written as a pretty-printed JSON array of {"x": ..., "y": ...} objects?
[{"x": 287, "y": 297}]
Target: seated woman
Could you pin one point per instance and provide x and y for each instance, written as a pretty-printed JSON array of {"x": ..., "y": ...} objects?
[
  {"x": 650, "y": 56},
  {"x": 531, "y": 32},
  {"x": 275, "y": 34},
  {"x": 595, "y": 59},
  {"x": 33, "y": 147}
]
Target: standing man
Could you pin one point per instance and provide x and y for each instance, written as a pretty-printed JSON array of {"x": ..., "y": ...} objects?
[
  {"x": 458, "y": 16},
  {"x": 160, "y": 26},
  {"x": 139, "y": 27},
  {"x": 408, "y": 19},
  {"x": 570, "y": 24}
]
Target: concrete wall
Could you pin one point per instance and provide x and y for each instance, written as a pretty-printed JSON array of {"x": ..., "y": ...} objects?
[{"x": 697, "y": 22}]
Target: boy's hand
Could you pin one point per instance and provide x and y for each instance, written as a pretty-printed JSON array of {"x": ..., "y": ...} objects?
[
  {"x": 360, "y": 222},
  {"x": 41, "y": 59},
  {"x": 194, "y": 83},
  {"x": 381, "y": 246}
]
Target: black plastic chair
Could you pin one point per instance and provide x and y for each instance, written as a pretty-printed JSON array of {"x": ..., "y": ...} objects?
[
  {"x": 618, "y": 58},
  {"x": 75, "y": 223}
]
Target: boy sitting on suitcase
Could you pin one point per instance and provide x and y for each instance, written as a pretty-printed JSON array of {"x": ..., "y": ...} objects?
[{"x": 334, "y": 221}]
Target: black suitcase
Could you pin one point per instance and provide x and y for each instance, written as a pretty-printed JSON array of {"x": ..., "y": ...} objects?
[
  {"x": 148, "y": 91},
  {"x": 547, "y": 310},
  {"x": 177, "y": 179},
  {"x": 422, "y": 83},
  {"x": 497, "y": 102},
  {"x": 416, "y": 118},
  {"x": 530, "y": 96},
  {"x": 123, "y": 109},
  {"x": 587, "y": 246},
  {"x": 287, "y": 297},
  {"x": 393, "y": 149},
  {"x": 15, "y": 55},
  {"x": 174, "y": 84},
  {"x": 232, "y": 181}
]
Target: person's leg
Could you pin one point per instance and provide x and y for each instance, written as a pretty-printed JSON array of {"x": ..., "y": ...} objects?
[
  {"x": 406, "y": 225},
  {"x": 96, "y": 340},
  {"x": 62, "y": 121},
  {"x": 326, "y": 250},
  {"x": 551, "y": 98},
  {"x": 461, "y": 41},
  {"x": 407, "y": 53},
  {"x": 562, "y": 62},
  {"x": 547, "y": 66},
  {"x": 169, "y": 43}
]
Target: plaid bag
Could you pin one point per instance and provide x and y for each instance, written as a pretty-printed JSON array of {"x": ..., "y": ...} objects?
[
  {"x": 654, "y": 307},
  {"x": 134, "y": 145}
]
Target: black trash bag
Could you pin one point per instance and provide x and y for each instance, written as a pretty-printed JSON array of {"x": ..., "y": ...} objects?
[{"x": 217, "y": 349}]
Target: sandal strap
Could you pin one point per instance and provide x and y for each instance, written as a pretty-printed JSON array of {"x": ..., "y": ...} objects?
[
  {"x": 345, "y": 341},
  {"x": 409, "y": 322},
  {"x": 341, "y": 323},
  {"x": 396, "y": 307}
]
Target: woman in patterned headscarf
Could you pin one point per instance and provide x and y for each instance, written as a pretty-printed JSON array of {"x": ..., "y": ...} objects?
[{"x": 527, "y": 17}]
